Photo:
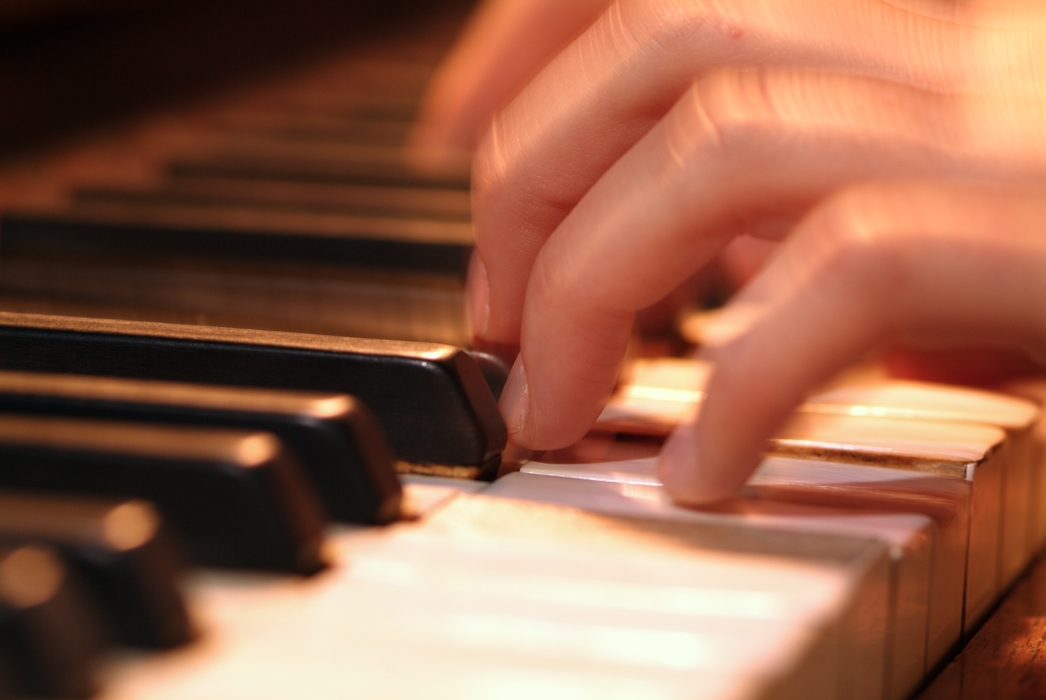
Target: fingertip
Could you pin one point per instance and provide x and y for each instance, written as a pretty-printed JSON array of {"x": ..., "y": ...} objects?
[
  {"x": 515, "y": 400},
  {"x": 477, "y": 313},
  {"x": 689, "y": 479},
  {"x": 677, "y": 466},
  {"x": 477, "y": 292}
]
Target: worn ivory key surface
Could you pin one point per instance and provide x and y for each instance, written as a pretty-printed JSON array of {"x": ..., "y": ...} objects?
[{"x": 495, "y": 597}]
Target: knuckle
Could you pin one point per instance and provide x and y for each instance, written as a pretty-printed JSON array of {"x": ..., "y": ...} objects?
[
  {"x": 545, "y": 286},
  {"x": 661, "y": 21},
  {"x": 514, "y": 189},
  {"x": 489, "y": 168},
  {"x": 555, "y": 285},
  {"x": 727, "y": 110},
  {"x": 860, "y": 243}
]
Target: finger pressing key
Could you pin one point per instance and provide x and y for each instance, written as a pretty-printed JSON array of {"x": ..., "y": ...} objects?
[{"x": 937, "y": 263}]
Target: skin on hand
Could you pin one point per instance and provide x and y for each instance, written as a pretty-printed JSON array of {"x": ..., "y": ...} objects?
[
  {"x": 669, "y": 127},
  {"x": 504, "y": 45},
  {"x": 915, "y": 261}
]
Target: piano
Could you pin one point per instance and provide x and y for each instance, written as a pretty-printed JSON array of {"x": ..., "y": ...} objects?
[{"x": 246, "y": 451}]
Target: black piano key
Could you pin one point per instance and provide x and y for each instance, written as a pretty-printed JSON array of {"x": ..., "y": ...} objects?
[
  {"x": 338, "y": 440},
  {"x": 310, "y": 124},
  {"x": 122, "y": 555},
  {"x": 431, "y": 400},
  {"x": 127, "y": 230},
  {"x": 47, "y": 633},
  {"x": 346, "y": 163},
  {"x": 368, "y": 200},
  {"x": 235, "y": 498},
  {"x": 303, "y": 299},
  {"x": 6, "y": 675},
  {"x": 348, "y": 102},
  {"x": 495, "y": 370}
]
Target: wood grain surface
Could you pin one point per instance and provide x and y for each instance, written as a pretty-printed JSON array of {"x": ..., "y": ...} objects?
[{"x": 1006, "y": 659}]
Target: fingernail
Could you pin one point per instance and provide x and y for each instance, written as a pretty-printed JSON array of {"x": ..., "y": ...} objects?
[
  {"x": 515, "y": 398},
  {"x": 477, "y": 290},
  {"x": 677, "y": 465}
]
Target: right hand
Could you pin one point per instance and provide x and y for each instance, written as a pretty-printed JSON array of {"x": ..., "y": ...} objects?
[{"x": 671, "y": 126}]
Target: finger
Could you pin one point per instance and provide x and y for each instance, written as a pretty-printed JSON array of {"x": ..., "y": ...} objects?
[
  {"x": 608, "y": 88},
  {"x": 746, "y": 254},
  {"x": 504, "y": 44},
  {"x": 937, "y": 262},
  {"x": 741, "y": 145}
]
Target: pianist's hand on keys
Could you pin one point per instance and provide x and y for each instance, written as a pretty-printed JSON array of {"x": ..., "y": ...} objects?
[{"x": 898, "y": 143}]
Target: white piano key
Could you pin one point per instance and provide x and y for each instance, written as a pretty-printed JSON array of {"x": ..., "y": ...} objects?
[
  {"x": 938, "y": 402},
  {"x": 910, "y": 539},
  {"x": 964, "y": 451},
  {"x": 918, "y": 445},
  {"x": 970, "y": 452},
  {"x": 894, "y": 398},
  {"x": 655, "y": 394},
  {"x": 422, "y": 494},
  {"x": 493, "y": 598},
  {"x": 944, "y": 499},
  {"x": 492, "y": 523},
  {"x": 883, "y": 422},
  {"x": 1034, "y": 389}
]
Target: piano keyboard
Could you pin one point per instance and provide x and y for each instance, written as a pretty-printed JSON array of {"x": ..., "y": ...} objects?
[{"x": 242, "y": 455}]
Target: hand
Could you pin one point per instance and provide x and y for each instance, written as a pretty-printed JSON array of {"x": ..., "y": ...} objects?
[
  {"x": 668, "y": 128},
  {"x": 923, "y": 262},
  {"x": 504, "y": 45}
]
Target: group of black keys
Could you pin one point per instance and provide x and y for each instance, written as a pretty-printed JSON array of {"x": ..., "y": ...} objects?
[{"x": 129, "y": 447}]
